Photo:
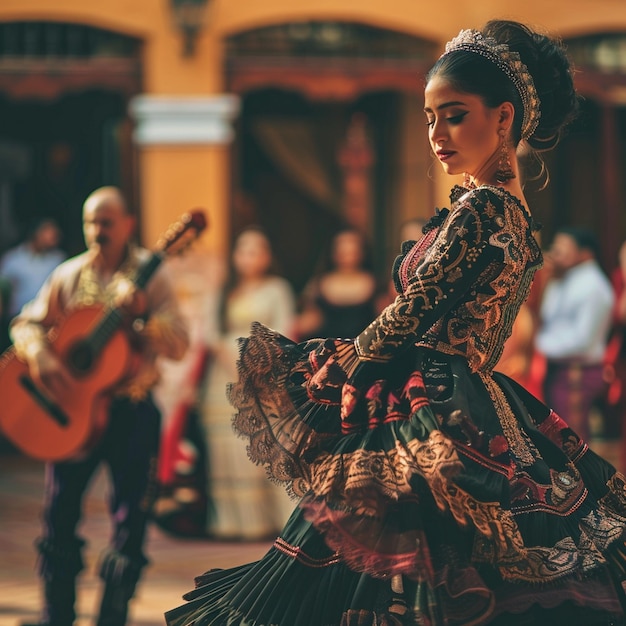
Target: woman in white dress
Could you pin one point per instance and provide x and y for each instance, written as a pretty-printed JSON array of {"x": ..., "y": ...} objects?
[{"x": 246, "y": 504}]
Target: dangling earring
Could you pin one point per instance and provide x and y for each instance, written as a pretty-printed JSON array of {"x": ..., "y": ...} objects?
[
  {"x": 468, "y": 183},
  {"x": 504, "y": 172}
]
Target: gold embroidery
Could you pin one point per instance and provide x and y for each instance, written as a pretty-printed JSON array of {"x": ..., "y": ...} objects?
[
  {"x": 436, "y": 461},
  {"x": 520, "y": 444},
  {"x": 541, "y": 564},
  {"x": 602, "y": 528},
  {"x": 462, "y": 263},
  {"x": 615, "y": 500},
  {"x": 91, "y": 291},
  {"x": 388, "y": 472},
  {"x": 362, "y": 480}
]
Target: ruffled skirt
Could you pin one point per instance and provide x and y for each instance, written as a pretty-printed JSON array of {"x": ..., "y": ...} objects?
[{"x": 447, "y": 498}]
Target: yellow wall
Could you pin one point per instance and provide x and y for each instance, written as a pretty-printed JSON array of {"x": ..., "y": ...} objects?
[
  {"x": 176, "y": 178},
  {"x": 202, "y": 182},
  {"x": 166, "y": 71}
]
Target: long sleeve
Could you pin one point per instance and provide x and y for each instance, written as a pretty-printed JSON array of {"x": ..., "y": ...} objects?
[{"x": 467, "y": 246}]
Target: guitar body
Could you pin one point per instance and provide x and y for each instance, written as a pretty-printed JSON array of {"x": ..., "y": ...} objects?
[
  {"x": 94, "y": 348},
  {"x": 52, "y": 431}
]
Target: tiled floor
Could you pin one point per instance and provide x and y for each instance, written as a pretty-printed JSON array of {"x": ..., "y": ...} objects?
[{"x": 174, "y": 561}]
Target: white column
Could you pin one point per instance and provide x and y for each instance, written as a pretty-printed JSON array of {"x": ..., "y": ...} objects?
[{"x": 205, "y": 120}]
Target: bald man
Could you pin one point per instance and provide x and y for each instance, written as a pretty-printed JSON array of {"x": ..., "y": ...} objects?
[{"x": 102, "y": 275}]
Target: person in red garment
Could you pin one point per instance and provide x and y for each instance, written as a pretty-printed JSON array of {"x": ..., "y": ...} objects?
[
  {"x": 432, "y": 489},
  {"x": 103, "y": 274},
  {"x": 615, "y": 356}
]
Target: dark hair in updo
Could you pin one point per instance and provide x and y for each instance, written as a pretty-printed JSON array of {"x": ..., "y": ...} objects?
[{"x": 548, "y": 65}]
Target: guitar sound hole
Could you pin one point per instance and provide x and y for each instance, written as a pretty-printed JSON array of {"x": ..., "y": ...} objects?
[{"x": 80, "y": 358}]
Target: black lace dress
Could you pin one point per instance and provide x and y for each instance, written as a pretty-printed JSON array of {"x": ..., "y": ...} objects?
[{"x": 430, "y": 489}]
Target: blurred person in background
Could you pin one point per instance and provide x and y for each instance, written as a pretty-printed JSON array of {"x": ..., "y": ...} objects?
[
  {"x": 25, "y": 267},
  {"x": 341, "y": 298},
  {"x": 615, "y": 357},
  {"x": 128, "y": 446},
  {"x": 245, "y": 504},
  {"x": 574, "y": 323}
]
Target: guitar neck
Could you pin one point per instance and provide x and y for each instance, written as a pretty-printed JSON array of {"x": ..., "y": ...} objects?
[
  {"x": 176, "y": 238},
  {"x": 112, "y": 319},
  {"x": 147, "y": 270}
]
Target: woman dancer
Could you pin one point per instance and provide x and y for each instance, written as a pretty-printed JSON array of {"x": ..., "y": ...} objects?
[{"x": 433, "y": 490}]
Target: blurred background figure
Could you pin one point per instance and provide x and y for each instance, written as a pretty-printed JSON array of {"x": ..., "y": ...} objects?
[
  {"x": 615, "y": 358},
  {"x": 24, "y": 268},
  {"x": 410, "y": 230},
  {"x": 127, "y": 444},
  {"x": 184, "y": 501},
  {"x": 574, "y": 323},
  {"x": 341, "y": 299},
  {"x": 245, "y": 504}
]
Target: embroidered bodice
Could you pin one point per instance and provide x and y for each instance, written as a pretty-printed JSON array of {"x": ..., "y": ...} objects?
[{"x": 461, "y": 286}]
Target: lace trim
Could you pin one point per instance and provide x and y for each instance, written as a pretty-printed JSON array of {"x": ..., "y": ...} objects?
[{"x": 360, "y": 486}]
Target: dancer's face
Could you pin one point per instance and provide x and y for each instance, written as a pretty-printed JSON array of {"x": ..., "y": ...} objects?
[{"x": 463, "y": 132}]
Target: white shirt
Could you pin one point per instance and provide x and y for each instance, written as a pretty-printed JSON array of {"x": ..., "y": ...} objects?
[{"x": 575, "y": 315}]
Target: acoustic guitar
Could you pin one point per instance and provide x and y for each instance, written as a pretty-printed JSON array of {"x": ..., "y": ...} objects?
[{"x": 93, "y": 345}]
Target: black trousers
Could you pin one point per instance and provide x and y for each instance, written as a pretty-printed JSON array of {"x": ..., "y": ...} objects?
[{"x": 129, "y": 449}]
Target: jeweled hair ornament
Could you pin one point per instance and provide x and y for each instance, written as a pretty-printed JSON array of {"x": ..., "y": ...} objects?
[{"x": 511, "y": 64}]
